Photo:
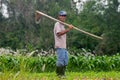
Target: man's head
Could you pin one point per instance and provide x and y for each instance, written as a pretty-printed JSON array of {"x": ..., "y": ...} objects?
[{"x": 62, "y": 15}]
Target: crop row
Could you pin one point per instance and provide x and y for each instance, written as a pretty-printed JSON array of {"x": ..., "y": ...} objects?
[{"x": 76, "y": 63}]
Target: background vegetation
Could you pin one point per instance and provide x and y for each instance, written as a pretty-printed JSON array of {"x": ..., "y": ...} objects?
[{"x": 19, "y": 30}]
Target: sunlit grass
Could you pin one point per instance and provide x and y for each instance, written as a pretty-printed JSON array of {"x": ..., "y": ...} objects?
[{"x": 69, "y": 76}]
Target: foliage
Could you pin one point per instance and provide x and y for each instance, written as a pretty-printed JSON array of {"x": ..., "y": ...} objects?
[
  {"x": 98, "y": 63},
  {"x": 19, "y": 30},
  {"x": 110, "y": 19},
  {"x": 48, "y": 64}
]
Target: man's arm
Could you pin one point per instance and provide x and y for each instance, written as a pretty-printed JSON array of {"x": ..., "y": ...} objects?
[{"x": 65, "y": 31}]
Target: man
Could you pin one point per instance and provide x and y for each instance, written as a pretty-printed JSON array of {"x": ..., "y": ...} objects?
[{"x": 60, "y": 44}]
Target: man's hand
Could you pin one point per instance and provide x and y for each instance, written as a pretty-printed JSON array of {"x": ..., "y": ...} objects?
[{"x": 70, "y": 27}]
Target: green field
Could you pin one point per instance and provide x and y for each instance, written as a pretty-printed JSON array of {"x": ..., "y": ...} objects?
[
  {"x": 69, "y": 76},
  {"x": 79, "y": 68}
]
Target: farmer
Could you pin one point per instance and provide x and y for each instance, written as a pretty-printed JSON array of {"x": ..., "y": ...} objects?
[{"x": 60, "y": 44}]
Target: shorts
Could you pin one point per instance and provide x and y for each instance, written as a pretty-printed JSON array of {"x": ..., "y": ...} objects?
[{"x": 62, "y": 57}]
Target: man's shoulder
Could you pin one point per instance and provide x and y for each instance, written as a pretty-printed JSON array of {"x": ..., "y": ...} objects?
[{"x": 57, "y": 23}]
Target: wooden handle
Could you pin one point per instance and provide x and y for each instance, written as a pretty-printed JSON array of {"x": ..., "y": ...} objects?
[{"x": 92, "y": 35}]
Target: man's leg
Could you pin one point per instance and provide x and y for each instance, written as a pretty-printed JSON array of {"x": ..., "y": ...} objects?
[
  {"x": 66, "y": 61},
  {"x": 58, "y": 70},
  {"x": 66, "y": 58},
  {"x": 60, "y": 61}
]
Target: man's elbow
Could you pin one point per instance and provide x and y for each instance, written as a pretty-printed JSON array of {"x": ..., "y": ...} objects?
[{"x": 59, "y": 34}]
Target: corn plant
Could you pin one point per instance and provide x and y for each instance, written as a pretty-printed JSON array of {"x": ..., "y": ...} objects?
[{"x": 48, "y": 64}]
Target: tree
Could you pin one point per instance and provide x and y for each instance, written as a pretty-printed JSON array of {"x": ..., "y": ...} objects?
[
  {"x": 110, "y": 18},
  {"x": 20, "y": 31},
  {"x": 111, "y": 43}
]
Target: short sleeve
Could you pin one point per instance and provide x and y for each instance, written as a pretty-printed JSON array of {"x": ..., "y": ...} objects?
[{"x": 57, "y": 28}]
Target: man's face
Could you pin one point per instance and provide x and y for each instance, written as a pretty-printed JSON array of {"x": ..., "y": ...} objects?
[{"x": 62, "y": 18}]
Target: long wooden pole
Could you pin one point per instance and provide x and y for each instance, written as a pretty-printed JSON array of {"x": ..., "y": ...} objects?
[{"x": 92, "y": 35}]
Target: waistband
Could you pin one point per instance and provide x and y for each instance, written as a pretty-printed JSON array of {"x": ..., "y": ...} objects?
[{"x": 61, "y": 48}]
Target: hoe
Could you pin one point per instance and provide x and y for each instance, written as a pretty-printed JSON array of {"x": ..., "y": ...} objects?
[{"x": 38, "y": 14}]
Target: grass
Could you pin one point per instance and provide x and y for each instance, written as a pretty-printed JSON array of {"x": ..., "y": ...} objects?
[{"x": 113, "y": 75}]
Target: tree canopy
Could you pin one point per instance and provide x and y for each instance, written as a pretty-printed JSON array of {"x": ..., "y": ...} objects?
[{"x": 19, "y": 30}]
